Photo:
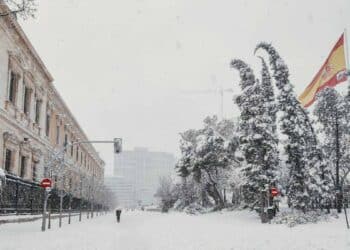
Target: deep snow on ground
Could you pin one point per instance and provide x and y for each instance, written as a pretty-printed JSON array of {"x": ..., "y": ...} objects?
[{"x": 238, "y": 230}]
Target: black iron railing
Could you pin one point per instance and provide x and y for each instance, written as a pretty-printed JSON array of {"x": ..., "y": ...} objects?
[{"x": 26, "y": 197}]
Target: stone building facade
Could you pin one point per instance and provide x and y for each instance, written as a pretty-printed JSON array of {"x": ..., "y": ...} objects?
[{"x": 34, "y": 120}]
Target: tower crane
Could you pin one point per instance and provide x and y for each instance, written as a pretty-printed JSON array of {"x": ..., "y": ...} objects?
[{"x": 220, "y": 91}]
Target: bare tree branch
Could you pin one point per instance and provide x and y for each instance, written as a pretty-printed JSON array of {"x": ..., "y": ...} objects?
[{"x": 23, "y": 8}]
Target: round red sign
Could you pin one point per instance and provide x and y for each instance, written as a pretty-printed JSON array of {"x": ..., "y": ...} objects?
[
  {"x": 274, "y": 192},
  {"x": 46, "y": 183}
]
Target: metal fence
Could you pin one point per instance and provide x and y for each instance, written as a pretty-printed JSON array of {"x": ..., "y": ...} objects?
[{"x": 25, "y": 197}]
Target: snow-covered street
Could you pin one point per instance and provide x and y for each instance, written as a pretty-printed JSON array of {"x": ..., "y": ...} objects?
[{"x": 156, "y": 231}]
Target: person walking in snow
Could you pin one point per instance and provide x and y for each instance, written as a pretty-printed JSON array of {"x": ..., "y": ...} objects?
[{"x": 118, "y": 212}]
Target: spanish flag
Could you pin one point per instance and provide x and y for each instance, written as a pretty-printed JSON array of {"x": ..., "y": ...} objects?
[{"x": 332, "y": 72}]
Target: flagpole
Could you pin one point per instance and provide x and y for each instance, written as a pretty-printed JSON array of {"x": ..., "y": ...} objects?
[{"x": 347, "y": 58}]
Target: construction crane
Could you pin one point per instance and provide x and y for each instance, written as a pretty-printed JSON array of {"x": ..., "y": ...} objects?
[{"x": 220, "y": 91}]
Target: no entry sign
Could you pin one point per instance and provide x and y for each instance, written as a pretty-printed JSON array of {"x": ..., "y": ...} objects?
[
  {"x": 274, "y": 191},
  {"x": 46, "y": 183}
]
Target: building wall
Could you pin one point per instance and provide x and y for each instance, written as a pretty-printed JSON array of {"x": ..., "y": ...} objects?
[
  {"x": 21, "y": 132},
  {"x": 143, "y": 168}
]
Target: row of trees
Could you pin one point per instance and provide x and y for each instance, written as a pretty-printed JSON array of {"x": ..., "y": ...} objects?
[
  {"x": 274, "y": 142},
  {"x": 75, "y": 182}
]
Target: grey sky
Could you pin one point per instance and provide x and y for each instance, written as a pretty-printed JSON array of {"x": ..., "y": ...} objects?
[{"x": 129, "y": 68}]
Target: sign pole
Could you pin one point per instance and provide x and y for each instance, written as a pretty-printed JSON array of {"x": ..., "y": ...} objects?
[
  {"x": 347, "y": 58},
  {"x": 46, "y": 196},
  {"x": 46, "y": 184}
]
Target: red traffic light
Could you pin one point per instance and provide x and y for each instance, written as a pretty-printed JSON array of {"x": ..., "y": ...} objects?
[
  {"x": 274, "y": 191},
  {"x": 46, "y": 183}
]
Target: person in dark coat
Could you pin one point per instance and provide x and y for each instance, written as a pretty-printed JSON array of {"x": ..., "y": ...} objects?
[{"x": 118, "y": 212}]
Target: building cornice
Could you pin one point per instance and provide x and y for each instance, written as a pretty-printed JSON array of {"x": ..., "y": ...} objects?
[
  {"x": 37, "y": 139},
  {"x": 11, "y": 21}
]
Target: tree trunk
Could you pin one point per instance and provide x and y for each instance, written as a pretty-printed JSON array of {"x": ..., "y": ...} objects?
[
  {"x": 215, "y": 194},
  {"x": 221, "y": 202},
  {"x": 80, "y": 209},
  {"x": 92, "y": 210},
  {"x": 204, "y": 198},
  {"x": 70, "y": 209}
]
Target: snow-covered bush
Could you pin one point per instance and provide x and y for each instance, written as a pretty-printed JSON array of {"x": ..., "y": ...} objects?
[
  {"x": 166, "y": 193},
  {"x": 195, "y": 208},
  {"x": 294, "y": 218}
]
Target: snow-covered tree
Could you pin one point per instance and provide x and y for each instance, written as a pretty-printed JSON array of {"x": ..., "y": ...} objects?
[
  {"x": 166, "y": 193},
  {"x": 258, "y": 142},
  {"x": 211, "y": 160},
  {"x": 191, "y": 188},
  {"x": 332, "y": 112},
  {"x": 228, "y": 130},
  {"x": 269, "y": 119},
  {"x": 58, "y": 169},
  {"x": 187, "y": 148},
  {"x": 236, "y": 182},
  {"x": 188, "y": 192},
  {"x": 268, "y": 95},
  {"x": 205, "y": 163},
  {"x": 308, "y": 179}
]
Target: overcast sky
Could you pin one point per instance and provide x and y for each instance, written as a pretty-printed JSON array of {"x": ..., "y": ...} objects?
[{"x": 136, "y": 69}]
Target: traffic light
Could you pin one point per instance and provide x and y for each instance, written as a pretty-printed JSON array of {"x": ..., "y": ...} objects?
[{"x": 117, "y": 145}]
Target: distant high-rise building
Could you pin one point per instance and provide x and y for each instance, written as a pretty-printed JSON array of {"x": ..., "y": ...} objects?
[
  {"x": 123, "y": 191},
  {"x": 142, "y": 169}
]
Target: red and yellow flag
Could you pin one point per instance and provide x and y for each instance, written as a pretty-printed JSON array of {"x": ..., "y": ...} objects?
[{"x": 332, "y": 72}]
